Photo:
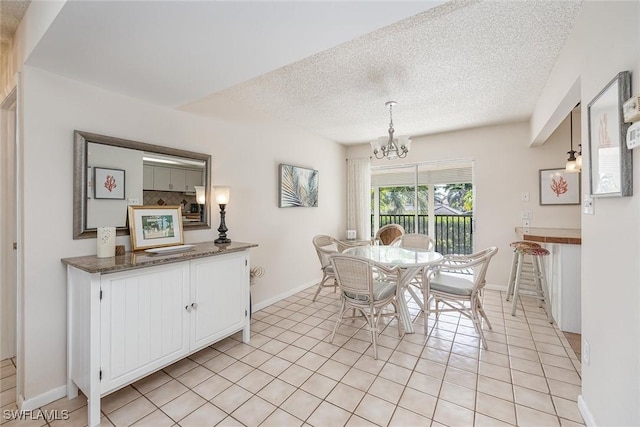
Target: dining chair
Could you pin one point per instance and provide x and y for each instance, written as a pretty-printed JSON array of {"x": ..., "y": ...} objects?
[
  {"x": 415, "y": 241},
  {"x": 360, "y": 291},
  {"x": 451, "y": 284},
  {"x": 325, "y": 247},
  {"x": 387, "y": 234}
]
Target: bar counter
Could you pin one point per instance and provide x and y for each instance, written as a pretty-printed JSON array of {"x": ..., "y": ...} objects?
[
  {"x": 567, "y": 236},
  {"x": 563, "y": 271}
]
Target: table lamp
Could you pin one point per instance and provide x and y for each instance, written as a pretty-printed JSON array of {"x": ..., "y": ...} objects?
[{"x": 221, "y": 195}]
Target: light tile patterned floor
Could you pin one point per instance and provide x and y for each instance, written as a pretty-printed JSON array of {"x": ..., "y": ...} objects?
[{"x": 290, "y": 375}]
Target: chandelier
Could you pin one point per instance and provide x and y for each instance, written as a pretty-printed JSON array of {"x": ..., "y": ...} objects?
[{"x": 391, "y": 147}]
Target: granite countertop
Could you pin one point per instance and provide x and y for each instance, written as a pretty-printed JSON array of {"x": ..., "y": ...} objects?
[
  {"x": 570, "y": 236},
  {"x": 133, "y": 260}
]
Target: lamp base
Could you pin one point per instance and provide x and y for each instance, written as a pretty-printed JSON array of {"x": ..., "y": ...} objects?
[{"x": 219, "y": 241}]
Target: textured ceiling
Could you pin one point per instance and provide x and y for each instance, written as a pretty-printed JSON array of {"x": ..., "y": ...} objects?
[
  {"x": 11, "y": 13},
  {"x": 325, "y": 66},
  {"x": 460, "y": 65}
]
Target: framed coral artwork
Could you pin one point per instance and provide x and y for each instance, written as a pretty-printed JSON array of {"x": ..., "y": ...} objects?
[
  {"x": 108, "y": 183},
  {"x": 558, "y": 187}
]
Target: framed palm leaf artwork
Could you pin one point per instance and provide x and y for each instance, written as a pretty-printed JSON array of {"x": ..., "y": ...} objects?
[{"x": 298, "y": 187}]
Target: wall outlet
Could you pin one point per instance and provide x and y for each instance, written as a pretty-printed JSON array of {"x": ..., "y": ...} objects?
[
  {"x": 587, "y": 205},
  {"x": 526, "y": 223},
  {"x": 524, "y": 196},
  {"x": 133, "y": 201},
  {"x": 586, "y": 352},
  {"x": 526, "y": 214}
]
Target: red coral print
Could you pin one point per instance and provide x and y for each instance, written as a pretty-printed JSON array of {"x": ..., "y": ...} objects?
[
  {"x": 603, "y": 136},
  {"x": 559, "y": 186},
  {"x": 110, "y": 183}
]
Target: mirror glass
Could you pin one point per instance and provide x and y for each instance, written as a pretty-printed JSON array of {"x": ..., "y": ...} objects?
[{"x": 112, "y": 173}]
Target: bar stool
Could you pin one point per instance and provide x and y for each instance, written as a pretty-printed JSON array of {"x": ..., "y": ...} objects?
[
  {"x": 538, "y": 275},
  {"x": 527, "y": 267}
]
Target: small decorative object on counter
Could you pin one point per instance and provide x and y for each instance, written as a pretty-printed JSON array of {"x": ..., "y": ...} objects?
[
  {"x": 106, "y": 242},
  {"x": 120, "y": 250}
]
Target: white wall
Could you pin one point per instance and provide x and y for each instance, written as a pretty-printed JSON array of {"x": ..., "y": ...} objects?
[
  {"x": 245, "y": 158},
  {"x": 504, "y": 167},
  {"x": 611, "y": 237}
]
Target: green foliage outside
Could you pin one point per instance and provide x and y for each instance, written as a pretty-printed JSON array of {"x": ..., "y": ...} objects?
[
  {"x": 453, "y": 233},
  {"x": 400, "y": 200}
]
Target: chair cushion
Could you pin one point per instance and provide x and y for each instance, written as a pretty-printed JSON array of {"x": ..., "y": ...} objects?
[
  {"x": 451, "y": 284},
  {"x": 381, "y": 290}
]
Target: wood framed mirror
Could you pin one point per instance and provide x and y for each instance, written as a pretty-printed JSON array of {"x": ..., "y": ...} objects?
[{"x": 143, "y": 174}]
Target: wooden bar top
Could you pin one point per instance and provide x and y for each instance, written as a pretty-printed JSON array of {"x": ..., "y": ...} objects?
[
  {"x": 133, "y": 260},
  {"x": 568, "y": 236}
]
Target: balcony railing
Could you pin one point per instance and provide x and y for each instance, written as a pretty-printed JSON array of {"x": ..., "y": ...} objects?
[{"x": 454, "y": 233}]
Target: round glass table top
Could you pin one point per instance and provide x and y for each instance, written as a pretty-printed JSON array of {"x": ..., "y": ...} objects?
[{"x": 394, "y": 255}]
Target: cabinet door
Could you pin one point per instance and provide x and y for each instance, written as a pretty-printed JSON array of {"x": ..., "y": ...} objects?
[
  {"x": 147, "y": 177},
  {"x": 144, "y": 323},
  {"x": 220, "y": 288},
  {"x": 161, "y": 178},
  {"x": 193, "y": 178},
  {"x": 178, "y": 180}
]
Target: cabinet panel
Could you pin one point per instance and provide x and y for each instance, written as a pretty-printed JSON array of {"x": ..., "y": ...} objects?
[
  {"x": 161, "y": 178},
  {"x": 144, "y": 322},
  {"x": 219, "y": 287},
  {"x": 193, "y": 178},
  {"x": 178, "y": 181},
  {"x": 147, "y": 177}
]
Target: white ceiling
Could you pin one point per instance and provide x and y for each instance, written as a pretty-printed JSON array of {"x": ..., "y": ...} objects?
[{"x": 328, "y": 67}]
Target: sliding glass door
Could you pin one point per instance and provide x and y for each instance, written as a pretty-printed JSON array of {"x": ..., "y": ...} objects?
[{"x": 427, "y": 198}]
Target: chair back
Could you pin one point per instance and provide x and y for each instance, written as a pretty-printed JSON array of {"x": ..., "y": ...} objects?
[
  {"x": 325, "y": 247},
  {"x": 475, "y": 265},
  {"x": 415, "y": 241},
  {"x": 388, "y": 233},
  {"x": 354, "y": 275}
]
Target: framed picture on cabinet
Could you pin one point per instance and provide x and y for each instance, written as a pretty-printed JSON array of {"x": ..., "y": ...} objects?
[{"x": 155, "y": 226}]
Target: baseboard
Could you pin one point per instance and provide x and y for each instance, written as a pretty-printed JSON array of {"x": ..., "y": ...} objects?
[
  {"x": 279, "y": 297},
  {"x": 42, "y": 399},
  {"x": 584, "y": 411}
]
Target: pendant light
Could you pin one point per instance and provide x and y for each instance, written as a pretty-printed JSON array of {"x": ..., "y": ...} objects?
[{"x": 572, "y": 163}]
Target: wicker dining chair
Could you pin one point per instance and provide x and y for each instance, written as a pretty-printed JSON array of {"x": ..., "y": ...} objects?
[
  {"x": 360, "y": 291},
  {"x": 325, "y": 247},
  {"x": 449, "y": 283},
  {"x": 415, "y": 241},
  {"x": 387, "y": 234}
]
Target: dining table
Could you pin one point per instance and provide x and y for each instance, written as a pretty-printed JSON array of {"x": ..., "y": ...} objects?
[{"x": 410, "y": 261}]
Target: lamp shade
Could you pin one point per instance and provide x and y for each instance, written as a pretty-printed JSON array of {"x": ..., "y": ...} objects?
[
  {"x": 200, "y": 196},
  {"x": 221, "y": 194}
]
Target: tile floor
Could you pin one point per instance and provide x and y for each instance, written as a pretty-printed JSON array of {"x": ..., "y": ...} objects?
[{"x": 290, "y": 375}]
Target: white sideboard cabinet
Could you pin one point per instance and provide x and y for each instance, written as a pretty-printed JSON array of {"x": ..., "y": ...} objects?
[{"x": 131, "y": 315}]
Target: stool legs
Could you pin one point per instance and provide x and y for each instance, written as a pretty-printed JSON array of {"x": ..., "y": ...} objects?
[
  {"x": 540, "y": 283},
  {"x": 516, "y": 289},
  {"x": 545, "y": 289},
  {"x": 512, "y": 274}
]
